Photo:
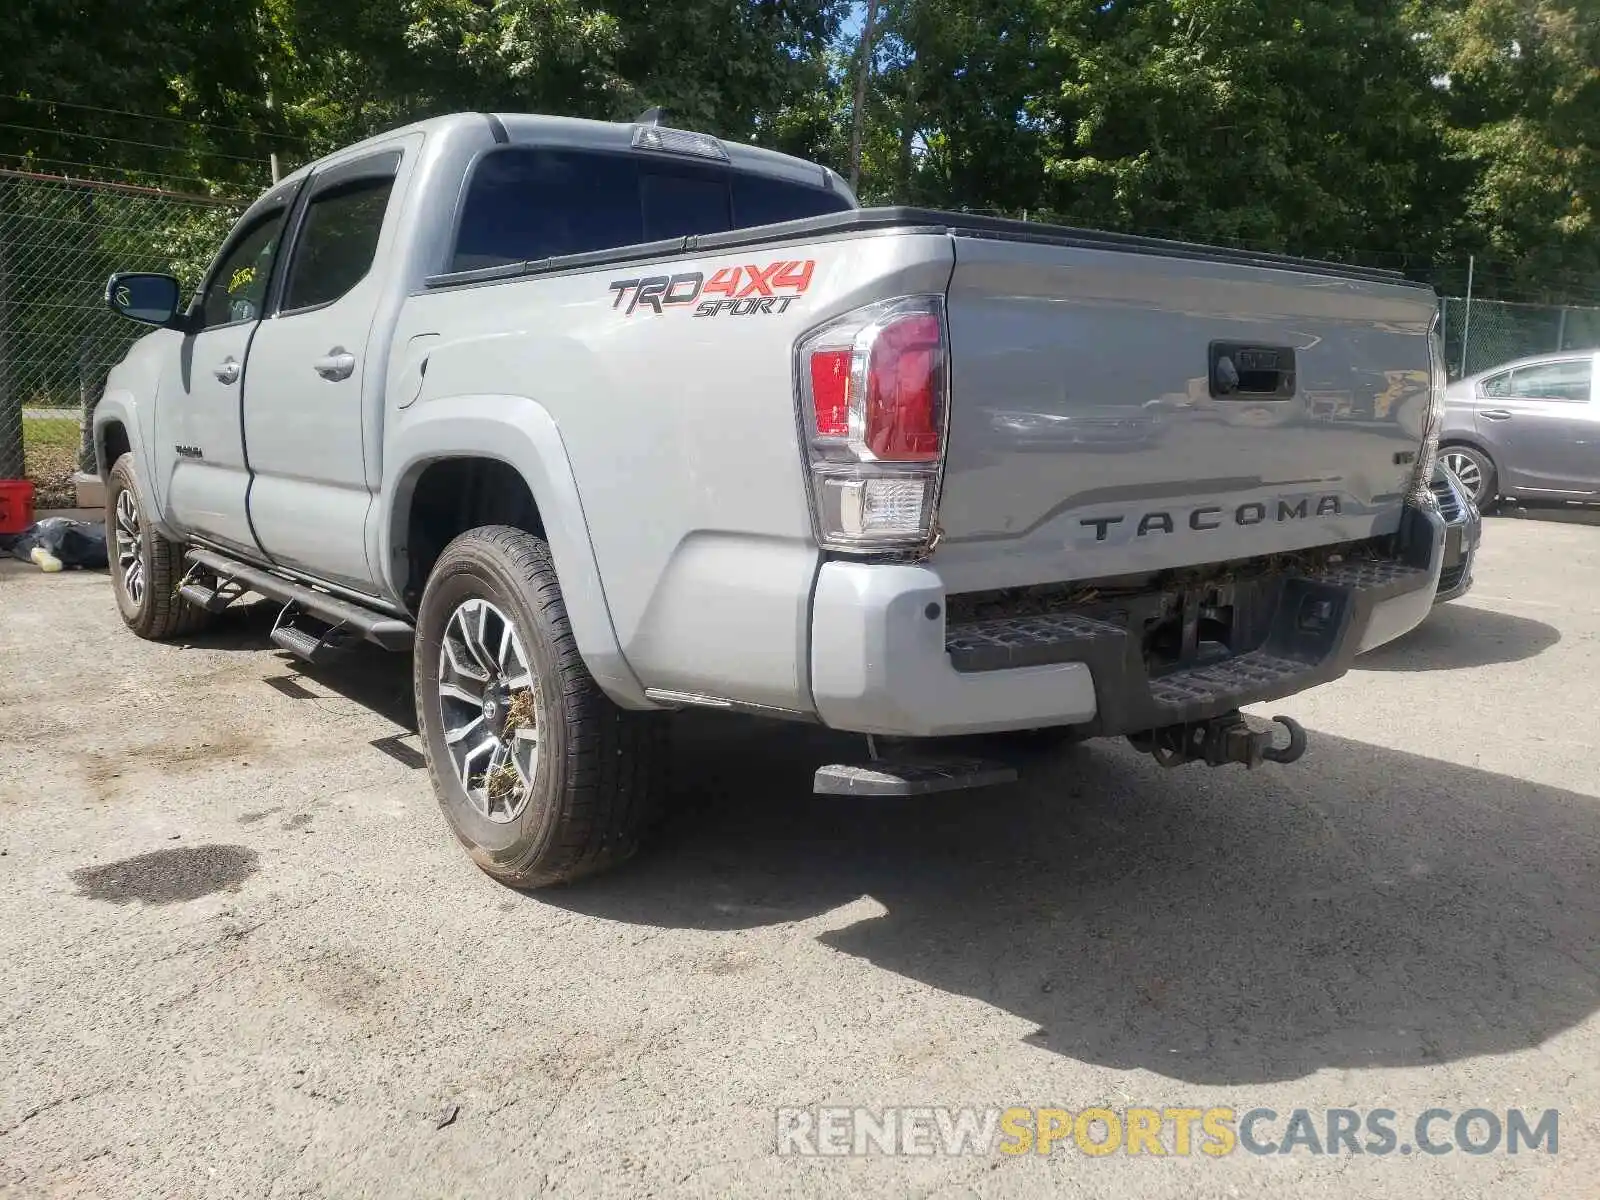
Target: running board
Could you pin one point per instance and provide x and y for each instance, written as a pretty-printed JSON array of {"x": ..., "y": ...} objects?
[
  {"x": 391, "y": 633},
  {"x": 213, "y": 600},
  {"x": 312, "y": 645}
]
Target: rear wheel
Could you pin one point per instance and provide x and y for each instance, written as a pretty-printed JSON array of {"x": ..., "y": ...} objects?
[
  {"x": 541, "y": 777},
  {"x": 1475, "y": 470},
  {"x": 146, "y": 568}
]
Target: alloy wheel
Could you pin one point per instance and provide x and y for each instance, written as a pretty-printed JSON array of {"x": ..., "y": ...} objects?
[
  {"x": 1467, "y": 471},
  {"x": 491, "y": 710},
  {"x": 130, "y": 547}
]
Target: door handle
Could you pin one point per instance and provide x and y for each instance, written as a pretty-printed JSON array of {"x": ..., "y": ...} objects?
[
  {"x": 227, "y": 371},
  {"x": 1495, "y": 414},
  {"x": 339, "y": 364}
]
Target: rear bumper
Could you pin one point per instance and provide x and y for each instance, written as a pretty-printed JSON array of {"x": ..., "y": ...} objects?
[{"x": 884, "y": 658}]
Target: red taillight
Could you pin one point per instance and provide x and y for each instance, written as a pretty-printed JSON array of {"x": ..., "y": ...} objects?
[
  {"x": 903, "y": 410},
  {"x": 872, "y": 389},
  {"x": 830, "y": 391}
]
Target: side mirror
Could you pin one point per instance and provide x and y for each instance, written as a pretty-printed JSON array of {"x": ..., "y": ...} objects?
[{"x": 147, "y": 298}]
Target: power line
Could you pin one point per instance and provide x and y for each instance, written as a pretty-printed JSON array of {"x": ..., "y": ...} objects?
[
  {"x": 130, "y": 189},
  {"x": 122, "y": 112},
  {"x": 26, "y": 159},
  {"x": 99, "y": 137}
]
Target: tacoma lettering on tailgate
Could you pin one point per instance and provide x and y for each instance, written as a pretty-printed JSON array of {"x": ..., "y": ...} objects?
[{"x": 1122, "y": 527}]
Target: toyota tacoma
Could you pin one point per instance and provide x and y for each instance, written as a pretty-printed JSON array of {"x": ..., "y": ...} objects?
[{"x": 607, "y": 420}]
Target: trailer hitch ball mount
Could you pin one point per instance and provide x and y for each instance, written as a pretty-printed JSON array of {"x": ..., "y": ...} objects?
[{"x": 1220, "y": 741}]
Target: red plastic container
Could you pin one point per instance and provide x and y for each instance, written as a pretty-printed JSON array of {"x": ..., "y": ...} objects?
[{"x": 16, "y": 505}]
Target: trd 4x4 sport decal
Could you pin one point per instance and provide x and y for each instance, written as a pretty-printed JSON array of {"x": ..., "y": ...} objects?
[{"x": 738, "y": 291}]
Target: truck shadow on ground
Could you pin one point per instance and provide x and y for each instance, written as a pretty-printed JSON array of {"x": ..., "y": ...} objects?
[
  {"x": 375, "y": 679},
  {"x": 1369, "y": 908},
  {"x": 1457, "y": 636},
  {"x": 1365, "y": 908}
]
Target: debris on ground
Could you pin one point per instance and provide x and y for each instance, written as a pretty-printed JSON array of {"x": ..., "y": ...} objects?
[{"x": 58, "y": 542}]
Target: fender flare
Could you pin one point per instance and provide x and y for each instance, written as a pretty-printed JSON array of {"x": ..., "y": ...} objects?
[
  {"x": 521, "y": 433},
  {"x": 118, "y": 406}
]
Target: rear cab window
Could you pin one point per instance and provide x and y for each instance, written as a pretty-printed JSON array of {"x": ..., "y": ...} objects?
[{"x": 526, "y": 203}]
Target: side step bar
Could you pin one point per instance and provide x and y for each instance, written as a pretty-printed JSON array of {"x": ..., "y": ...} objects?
[
  {"x": 318, "y": 644},
  {"x": 391, "y": 633}
]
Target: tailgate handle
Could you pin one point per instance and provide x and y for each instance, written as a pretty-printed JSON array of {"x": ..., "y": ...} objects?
[{"x": 1240, "y": 370}]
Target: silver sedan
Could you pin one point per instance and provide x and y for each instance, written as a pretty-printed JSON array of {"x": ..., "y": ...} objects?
[{"x": 1528, "y": 430}]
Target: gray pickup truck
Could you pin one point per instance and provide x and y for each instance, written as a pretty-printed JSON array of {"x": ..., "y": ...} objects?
[{"x": 610, "y": 419}]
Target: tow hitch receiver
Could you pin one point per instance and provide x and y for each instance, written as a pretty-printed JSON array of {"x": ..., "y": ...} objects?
[{"x": 1219, "y": 741}]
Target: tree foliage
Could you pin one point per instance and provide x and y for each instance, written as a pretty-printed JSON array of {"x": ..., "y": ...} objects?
[{"x": 1393, "y": 130}]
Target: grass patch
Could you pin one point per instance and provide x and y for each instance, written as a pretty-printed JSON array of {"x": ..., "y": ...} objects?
[{"x": 50, "y": 452}]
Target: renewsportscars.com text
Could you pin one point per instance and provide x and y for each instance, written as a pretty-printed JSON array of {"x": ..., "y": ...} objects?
[{"x": 1161, "y": 1132}]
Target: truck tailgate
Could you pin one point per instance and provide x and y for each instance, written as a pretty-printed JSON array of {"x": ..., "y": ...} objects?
[{"x": 1119, "y": 411}]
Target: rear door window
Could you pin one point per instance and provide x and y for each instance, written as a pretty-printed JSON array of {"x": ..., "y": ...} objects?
[
  {"x": 337, "y": 243},
  {"x": 1569, "y": 381},
  {"x": 524, "y": 203}
]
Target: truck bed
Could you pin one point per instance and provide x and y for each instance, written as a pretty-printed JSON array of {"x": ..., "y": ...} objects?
[
  {"x": 1087, "y": 434},
  {"x": 907, "y": 219},
  {"x": 1085, "y": 440}
]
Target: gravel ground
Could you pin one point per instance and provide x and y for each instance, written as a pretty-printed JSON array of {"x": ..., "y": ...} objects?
[{"x": 243, "y": 956}]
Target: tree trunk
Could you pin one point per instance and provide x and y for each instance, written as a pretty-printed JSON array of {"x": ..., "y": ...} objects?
[
  {"x": 863, "y": 72},
  {"x": 908, "y": 137}
]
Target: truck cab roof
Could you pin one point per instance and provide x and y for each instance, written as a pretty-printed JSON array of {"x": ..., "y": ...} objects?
[{"x": 577, "y": 132}]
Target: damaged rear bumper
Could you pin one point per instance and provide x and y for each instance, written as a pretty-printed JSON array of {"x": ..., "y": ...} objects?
[{"x": 889, "y": 656}]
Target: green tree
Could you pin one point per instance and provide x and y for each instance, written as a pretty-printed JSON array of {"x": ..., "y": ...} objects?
[
  {"x": 1520, "y": 83},
  {"x": 1305, "y": 126}
]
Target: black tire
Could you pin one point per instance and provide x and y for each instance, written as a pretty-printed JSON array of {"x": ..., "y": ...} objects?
[
  {"x": 157, "y": 612},
  {"x": 1485, "y": 493},
  {"x": 598, "y": 779}
]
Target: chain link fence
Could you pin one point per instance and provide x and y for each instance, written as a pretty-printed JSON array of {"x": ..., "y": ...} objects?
[
  {"x": 1479, "y": 334},
  {"x": 59, "y": 241}
]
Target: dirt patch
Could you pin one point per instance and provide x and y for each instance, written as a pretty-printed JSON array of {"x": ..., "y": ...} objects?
[
  {"x": 169, "y": 876},
  {"x": 101, "y": 769},
  {"x": 729, "y": 962},
  {"x": 344, "y": 984}
]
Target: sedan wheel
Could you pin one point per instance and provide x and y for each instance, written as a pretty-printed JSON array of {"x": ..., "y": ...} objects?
[{"x": 1474, "y": 470}]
